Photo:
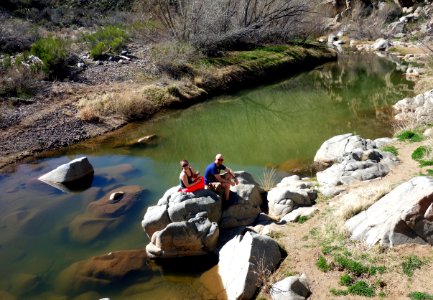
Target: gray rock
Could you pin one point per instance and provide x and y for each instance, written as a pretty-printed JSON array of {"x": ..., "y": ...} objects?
[
  {"x": 155, "y": 219},
  {"x": 294, "y": 215},
  {"x": 244, "y": 261},
  {"x": 381, "y": 45},
  {"x": 247, "y": 205},
  {"x": 405, "y": 215},
  {"x": 291, "y": 288},
  {"x": 419, "y": 107},
  {"x": 74, "y": 170},
  {"x": 197, "y": 236}
]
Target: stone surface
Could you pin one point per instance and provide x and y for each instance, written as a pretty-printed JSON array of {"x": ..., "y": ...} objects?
[
  {"x": 291, "y": 288},
  {"x": 418, "y": 108},
  {"x": 402, "y": 216},
  {"x": 74, "y": 170},
  {"x": 294, "y": 215},
  {"x": 243, "y": 260},
  {"x": 290, "y": 193},
  {"x": 197, "y": 236}
]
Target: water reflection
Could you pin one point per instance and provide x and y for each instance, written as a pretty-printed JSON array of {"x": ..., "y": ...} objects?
[{"x": 279, "y": 125}]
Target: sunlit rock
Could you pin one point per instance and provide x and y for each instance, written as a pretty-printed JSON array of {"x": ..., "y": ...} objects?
[
  {"x": 74, "y": 170},
  {"x": 405, "y": 215}
]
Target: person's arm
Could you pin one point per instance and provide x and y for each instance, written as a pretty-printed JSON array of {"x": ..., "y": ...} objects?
[{"x": 230, "y": 171}]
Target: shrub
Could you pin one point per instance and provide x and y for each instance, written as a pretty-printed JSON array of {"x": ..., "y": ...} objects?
[
  {"x": 410, "y": 264},
  {"x": 52, "y": 51},
  {"x": 268, "y": 179},
  {"x": 19, "y": 81},
  {"x": 108, "y": 39}
]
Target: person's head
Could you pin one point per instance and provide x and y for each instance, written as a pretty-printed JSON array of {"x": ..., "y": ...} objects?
[
  {"x": 219, "y": 159},
  {"x": 184, "y": 164}
]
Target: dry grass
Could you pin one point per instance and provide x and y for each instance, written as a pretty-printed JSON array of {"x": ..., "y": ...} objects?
[
  {"x": 409, "y": 122},
  {"x": 269, "y": 179},
  {"x": 135, "y": 103},
  {"x": 354, "y": 203}
]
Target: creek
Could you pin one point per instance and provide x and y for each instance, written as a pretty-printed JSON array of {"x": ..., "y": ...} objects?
[{"x": 279, "y": 126}]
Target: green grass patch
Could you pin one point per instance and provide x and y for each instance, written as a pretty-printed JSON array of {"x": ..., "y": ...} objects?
[
  {"x": 410, "y": 264},
  {"x": 322, "y": 264},
  {"x": 109, "y": 39},
  {"x": 425, "y": 163},
  {"x": 419, "y": 153},
  {"x": 390, "y": 149},
  {"x": 420, "y": 296},
  {"x": 361, "y": 288},
  {"x": 410, "y": 136},
  {"x": 350, "y": 265},
  {"x": 337, "y": 292},
  {"x": 346, "y": 280}
]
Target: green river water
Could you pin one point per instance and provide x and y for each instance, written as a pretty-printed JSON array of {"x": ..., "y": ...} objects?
[{"x": 279, "y": 125}]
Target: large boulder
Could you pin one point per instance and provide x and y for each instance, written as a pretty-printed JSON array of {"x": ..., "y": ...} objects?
[
  {"x": 175, "y": 206},
  {"x": 335, "y": 148},
  {"x": 197, "y": 236},
  {"x": 103, "y": 271},
  {"x": 291, "y": 288},
  {"x": 74, "y": 170},
  {"x": 418, "y": 108},
  {"x": 290, "y": 193},
  {"x": 354, "y": 158},
  {"x": 247, "y": 201},
  {"x": 183, "y": 224},
  {"x": 405, "y": 215},
  {"x": 243, "y": 262}
]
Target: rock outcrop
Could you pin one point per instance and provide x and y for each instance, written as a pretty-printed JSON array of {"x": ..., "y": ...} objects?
[
  {"x": 183, "y": 224},
  {"x": 289, "y": 194},
  {"x": 243, "y": 262},
  {"x": 405, "y": 215},
  {"x": 247, "y": 201},
  {"x": 354, "y": 158},
  {"x": 418, "y": 108}
]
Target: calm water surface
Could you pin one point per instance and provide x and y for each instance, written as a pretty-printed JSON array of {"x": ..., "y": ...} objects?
[{"x": 279, "y": 125}]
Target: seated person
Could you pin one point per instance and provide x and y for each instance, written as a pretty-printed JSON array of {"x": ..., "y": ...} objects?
[
  {"x": 216, "y": 181},
  {"x": 190, "y": 180}
]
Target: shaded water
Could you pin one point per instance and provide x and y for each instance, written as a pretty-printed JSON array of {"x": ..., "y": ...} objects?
[{"x": 279, "y": 125}]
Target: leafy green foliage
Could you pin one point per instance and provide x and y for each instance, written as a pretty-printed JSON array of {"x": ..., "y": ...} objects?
[
  {"x": 390, "y": 149},
  {"x": 322, "y": 264},
  {"x": 410, "y": 264},
  {"x": 351, "y": 265},
  {"x": 52, "y": 51},
  {"x": 420, "y": 296},
  {"x": 109, "y": 39},
  {"x": 410, "y": 136}
]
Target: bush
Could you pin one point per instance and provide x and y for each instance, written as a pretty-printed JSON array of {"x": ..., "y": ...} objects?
[
  {"x": 52, "y": 51},
  {"x": 19, "y": 81},
  {"x": 107, "y": 40},
  {"x": 419, "y": 153}
]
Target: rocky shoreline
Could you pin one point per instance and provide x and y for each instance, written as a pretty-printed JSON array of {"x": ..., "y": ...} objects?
[{"x": 50, "y": 122}]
